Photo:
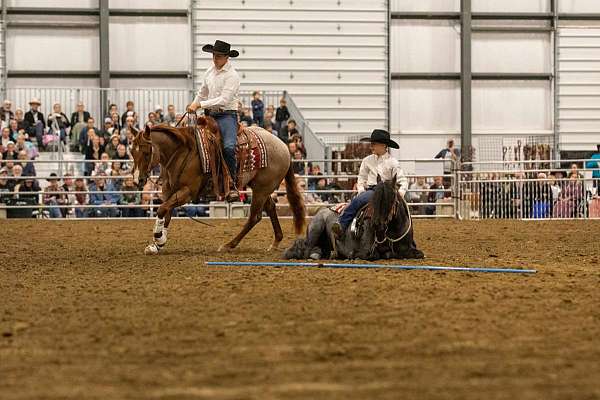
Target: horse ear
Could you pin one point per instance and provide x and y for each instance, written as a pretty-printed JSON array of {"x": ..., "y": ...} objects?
[{"x": 379, "y": 180}]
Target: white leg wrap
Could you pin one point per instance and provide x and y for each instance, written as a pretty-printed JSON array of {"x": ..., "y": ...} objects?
[
  {"x": 162, "y": 239},
  {"x": 159, "y": 224}
]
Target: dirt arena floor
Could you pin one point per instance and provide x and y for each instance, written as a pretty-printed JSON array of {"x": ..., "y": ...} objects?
[{"x": 85, "y": 315}]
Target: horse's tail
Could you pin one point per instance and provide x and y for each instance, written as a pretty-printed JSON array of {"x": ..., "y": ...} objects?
[{"x": 295, "y": 199}]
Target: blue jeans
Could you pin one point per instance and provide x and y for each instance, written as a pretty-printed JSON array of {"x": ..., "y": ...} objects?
[
  {"x": 355, "y": 205},
  {"x": 228, "y": 127}
]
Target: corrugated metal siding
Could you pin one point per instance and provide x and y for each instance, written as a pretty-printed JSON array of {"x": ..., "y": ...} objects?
[
  {"x": 579, "y": 88},
  {"x": 329, "y": 55}
]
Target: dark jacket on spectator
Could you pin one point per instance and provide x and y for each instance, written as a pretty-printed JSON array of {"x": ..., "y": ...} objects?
[
  {"x": 11, "y": 115},
  {"x": 28, "y": 169},
  {"x": 284, "y": 133},
  {"x": 31, "y": 122},
  {"x": 282, "y": 114},
  {"x": 75, "y": 117}
]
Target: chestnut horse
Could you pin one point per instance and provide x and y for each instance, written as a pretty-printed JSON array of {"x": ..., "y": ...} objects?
[{"x": 183, "y": 180}]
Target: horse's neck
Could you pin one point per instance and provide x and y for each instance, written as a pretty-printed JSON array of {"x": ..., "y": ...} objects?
[{"x": 166, "y": 146}]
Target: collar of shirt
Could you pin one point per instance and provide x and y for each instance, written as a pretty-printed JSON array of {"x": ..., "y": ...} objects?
[{"x": 225, "y": 68}]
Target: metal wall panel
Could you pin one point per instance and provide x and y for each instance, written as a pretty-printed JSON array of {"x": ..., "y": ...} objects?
[
  {"x": 52, "y": 50},
  {"x": 152, "y": 4},
  {"x": 425, "y": 46},
  {"x": 511, "y": 52},
  {"x": 149, "y": 44},
  {"x": 579, "y": 6},
  {"x": 579, "y": 88},
  {"x": 53, "y": 3},
  {"x": 511, "y": 5},
  {"x": 425, "y": 5},
  {"x": 325, "y": 53}
]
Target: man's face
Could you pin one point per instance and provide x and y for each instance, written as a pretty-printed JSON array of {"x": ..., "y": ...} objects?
[
  {"x": 90, "y": 123},
  {"x": 99, "y": 182},
  {"x": 10, "y": 148},
  {"x": 68, "y": 181},
  {"x": 7, "y": 105},
  {"x": 19, "y": 114},
  {"x": 171, "y": 110},
  {"x": 56, "y": 108},
  {"x": 321, "y": 183},
  {"x": 34, "y": 106},
  {"x": 438, "y": 180},
  {"x": 129, "y": 106},
  {"x": 5, "y": 132},
  {"x": 219, "y": 60},
  {"x": 17, "y": 170},
  {"x": 23, "y": 155},
  {"x": 420, "y": 180},
  {"x": 80, "y": 107},
  {"x": 13, "y": 125},
  {"x": 121, "y": 150},
  {"x": 293, "y": 147},
  {"x": 53, "y": 182}
]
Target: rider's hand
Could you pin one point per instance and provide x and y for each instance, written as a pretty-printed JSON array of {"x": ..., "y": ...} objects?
[{"x": 191, "y": 108}]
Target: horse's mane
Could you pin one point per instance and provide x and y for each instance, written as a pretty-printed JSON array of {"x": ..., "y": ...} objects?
[
  {"x": 183, "y": 135},
  {"x": 383, "y": 200}
]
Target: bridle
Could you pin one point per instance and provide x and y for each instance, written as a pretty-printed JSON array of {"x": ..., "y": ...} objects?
[
  {"x": 145, "y": 147},
  {"x": 386, "y": 237}
]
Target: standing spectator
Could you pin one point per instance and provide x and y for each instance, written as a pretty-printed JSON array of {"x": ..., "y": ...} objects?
[
  {"x": 101, "y": 195},
  {"x": 58, "y": 123},
  {"x": 130, "y": 112},
  {"x": 417, "y": 194},
  {"x": 288, "y": 130},
  {"x": 36, "y": 124},
  {"x": 82, "y": 198},
  {"x": 112, "y": 109},
  {"x": 158, "y": 112},
  {"x": 594, "y": 163},
  {"x": 85, "y": 139},
  {"x": 281, "y": 115},
  {"x": 258, "y": 109},
  {"x": 130, "y": 199},
  {"x": 450, "y": 155},
  {"x": 171, "y": 117},
  {"x": 53, "y": 198},
  {"x": 7, "y": 113},
  {"x": 439, "y": 194},
  {"x": 79, "y": 120}
]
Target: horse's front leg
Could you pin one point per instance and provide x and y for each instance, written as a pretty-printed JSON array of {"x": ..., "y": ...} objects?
[{"x": 163, "y": 218}]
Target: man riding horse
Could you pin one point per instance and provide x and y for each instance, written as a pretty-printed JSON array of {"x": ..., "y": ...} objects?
[{"x": 219, "y": 97}]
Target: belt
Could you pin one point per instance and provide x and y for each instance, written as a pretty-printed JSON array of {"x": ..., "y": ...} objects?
[{"x": 220, "y": 111}]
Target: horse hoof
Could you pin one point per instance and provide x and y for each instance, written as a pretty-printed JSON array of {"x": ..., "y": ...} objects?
[
  {"x": 314, "y": 256},
  {"x": 225, "y": 247},
  {"x": 151, "y": 250},
  {"x": 274, "y": 246}
]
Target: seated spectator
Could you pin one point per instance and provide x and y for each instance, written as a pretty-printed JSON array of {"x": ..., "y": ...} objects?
[
  {"x": 6, "y": 113},
  {"x": 10, "y": 153},
  {"x": 6, "y": 185},
  {"x": 79, "y": 120},
  {"x": 68, "y": 186},
  {"x": 574, "y": 172},
  {"x": 5, "y": 139},
  {"x": 299, "y": 167},
  {"x": 316, "y": 171},
  {"x": 541, "y": 197},
  {"x": 269, "y": 127},
  {"x": 85, "y": 139},
  {"x": 101, "y": 194},
  {"x": 36, "y": 124},
  {"x": 152, "y": 120},
  {"x": 28, "y": 195},
  {"x": 108, "y": 130},
  {"x": 281, "y": 116},
  {"x": 51, "y": 198},
  {"x": 14, "y": 129},
  {"x": 58, "y": 123},
  {"x": 416, "y": 194},
  {"x": 115, "y": 172},
  {"x": 28, "y": 167},
  {"x": 111, "y": 147},
  {"x": 245, "y": 115},
  {"x": 124, "y": 155},
  {"x": 130, "y": 112},
  {"x": 20, "y": 118},
  {"x": 292, "y": 147},
  {"x": 81, "y": 198},
  {"x": 570, "y": 200},
  {"x": 24, "y": 145},
  {"x": 297, "y": 138},
  {"x": 130, "y": 199},
  {"x": 116, "y": 124},
  {"x": 433, "y": 197},
  {"x": 93, "y": 153},
  {"x": 103, "y": 167},
  {"x": 171, "y": 116},
  {"x": 16, "y": 172},
  {"x": 258, "y": 109},
  {"x": 158, "y": 112},
  {"x": 129, "y": 127},
  {"x": 322, "y": 185},
  {"x": 288, "y": 130}
]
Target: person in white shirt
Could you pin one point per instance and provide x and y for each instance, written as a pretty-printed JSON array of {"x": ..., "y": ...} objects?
[
  {"x": 380, "y": 163},
  {"x": 219, "y": 97}
]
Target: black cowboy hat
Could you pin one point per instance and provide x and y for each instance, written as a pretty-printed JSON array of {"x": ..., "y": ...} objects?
[
  {"x": 381, "y": 136},
  {"x": 220, "y": 48}
]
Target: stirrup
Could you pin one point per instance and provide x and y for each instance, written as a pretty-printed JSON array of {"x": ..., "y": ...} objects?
[{"x": 232, "y": 196}]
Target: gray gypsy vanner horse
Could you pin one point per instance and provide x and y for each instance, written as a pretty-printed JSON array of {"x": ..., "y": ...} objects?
[{"x": 185, "y": 173}]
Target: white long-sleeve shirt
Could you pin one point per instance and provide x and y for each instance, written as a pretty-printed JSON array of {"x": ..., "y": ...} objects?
[
  {"x": 220, "y": 88},
  {"x": 386, "y": 167}
]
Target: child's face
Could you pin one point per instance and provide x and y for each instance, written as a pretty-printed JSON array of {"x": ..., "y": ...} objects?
[{"x": 378, "y": 148}]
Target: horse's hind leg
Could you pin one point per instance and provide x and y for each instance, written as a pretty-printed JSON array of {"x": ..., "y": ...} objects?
[
  {"x": 163, "y": 218},
  {"x": 256, "y": 208},
  {"x": 271, "y": 209}
]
